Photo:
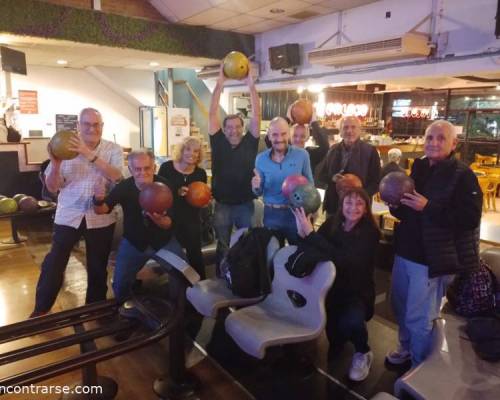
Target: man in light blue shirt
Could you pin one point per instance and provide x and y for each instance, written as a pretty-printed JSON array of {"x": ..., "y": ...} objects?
[{"x": 272, "y": 166}]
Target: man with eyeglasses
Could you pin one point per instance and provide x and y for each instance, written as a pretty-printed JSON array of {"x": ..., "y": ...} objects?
[
  {"x": 144, "y": 233},
  {"x": 99, "y": 163},
  {"x": 233, "y": 158}
]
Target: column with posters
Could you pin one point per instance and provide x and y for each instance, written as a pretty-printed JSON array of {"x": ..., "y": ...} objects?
[{"x": 178, "y": 126}]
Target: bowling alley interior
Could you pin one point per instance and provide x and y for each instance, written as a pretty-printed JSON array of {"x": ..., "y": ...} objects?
[{"x": 165, "y": 82}]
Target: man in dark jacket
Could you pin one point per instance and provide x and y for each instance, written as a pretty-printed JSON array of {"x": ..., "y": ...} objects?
[
  {"x": 438, "y": 236},
  {"x": 352, "y": 156}
]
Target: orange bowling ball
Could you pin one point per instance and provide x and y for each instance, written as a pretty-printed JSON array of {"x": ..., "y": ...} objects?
[
  {"x": 59, "y": 145},
  {"x": 236, "y": 65},
  {"x": 347, "y": 181},
  {"x": 156, "y": 197},
  {"x": 199, "y": 194},
  {"x": 302, "y": 111}
]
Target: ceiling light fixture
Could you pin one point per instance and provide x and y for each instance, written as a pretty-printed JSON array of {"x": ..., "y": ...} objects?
[
  {"x": 276, "y": 11},
  {"x": 62, "y": 62},
  {"x": 154, "y": 64}
]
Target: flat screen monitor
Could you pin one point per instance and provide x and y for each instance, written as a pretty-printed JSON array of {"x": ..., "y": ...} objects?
[{"x": 13, "y": 61}]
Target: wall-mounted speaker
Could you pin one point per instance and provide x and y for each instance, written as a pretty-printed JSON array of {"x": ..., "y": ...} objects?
[{"x": 284, "y": 56}]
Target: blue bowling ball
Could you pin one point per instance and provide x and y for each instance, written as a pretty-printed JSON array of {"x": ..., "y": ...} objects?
[{"x": 307, "y": 197}]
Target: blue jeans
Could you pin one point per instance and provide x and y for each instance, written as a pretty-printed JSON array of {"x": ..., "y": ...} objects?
[
  {"x": 347, "y": 323},
  {"x": 129, "y": 261},
  {"x": 416, "y": 301},
  {"x": 282, "y": 220},
  {"x": 227, "y": 216}
]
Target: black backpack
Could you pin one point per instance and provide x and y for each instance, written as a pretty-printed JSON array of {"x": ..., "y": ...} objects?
[
  {"x": 484, "y": 332},
  {"x": 245, "y": 265}
]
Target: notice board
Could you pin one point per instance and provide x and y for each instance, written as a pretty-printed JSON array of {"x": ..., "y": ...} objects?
[
  {"x": 66, "y": 122},
  {"x": 28, "y": 101}
]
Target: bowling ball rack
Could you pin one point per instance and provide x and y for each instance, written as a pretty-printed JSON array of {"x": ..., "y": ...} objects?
[
  {"x": 140, "y": 321},
  {"x": 15, "y": 217}
]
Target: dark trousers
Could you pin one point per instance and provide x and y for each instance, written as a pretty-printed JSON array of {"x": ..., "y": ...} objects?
[
  {"x": 346, "y": 322},
  {"x": 97, "y": 247},
  {"x": 189, "y": 237}
]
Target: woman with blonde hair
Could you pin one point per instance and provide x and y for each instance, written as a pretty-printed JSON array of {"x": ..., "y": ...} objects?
[{"x": 182, "y": 170}]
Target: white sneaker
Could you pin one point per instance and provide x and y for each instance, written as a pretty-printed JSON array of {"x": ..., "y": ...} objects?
[
  {"x": 360, "y": 366},
  {"x": 398, "y": 357}
]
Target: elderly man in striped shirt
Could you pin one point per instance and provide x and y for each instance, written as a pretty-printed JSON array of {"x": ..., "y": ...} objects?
[{"x": 99, "y": 163}]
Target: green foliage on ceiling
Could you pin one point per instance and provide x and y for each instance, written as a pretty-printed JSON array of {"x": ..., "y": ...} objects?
[{"x": 40, "y": 19}]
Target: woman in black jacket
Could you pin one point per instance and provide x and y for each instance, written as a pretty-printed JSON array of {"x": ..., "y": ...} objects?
[
  {"x": 350, "y": 240},
  {"x": 180, "y": 172}
]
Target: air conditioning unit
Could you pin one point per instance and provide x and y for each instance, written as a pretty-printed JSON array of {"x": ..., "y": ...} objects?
[
  {"x": 409, "y": 45},
  {"x": 212, "y": 72}
]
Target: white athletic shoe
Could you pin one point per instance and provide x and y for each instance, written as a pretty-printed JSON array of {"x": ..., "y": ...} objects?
[
  {"x": 398, "y": 356},
  {"x": 360, "y": 366}
]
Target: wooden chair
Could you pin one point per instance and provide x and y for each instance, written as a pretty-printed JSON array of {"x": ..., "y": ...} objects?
[
  {"x": 484, "y": 183},
  {"x": 489, "y": 186},
  {"x": 293, "y": 312},
  {"x": 492, "y": 190},
  {"x": 410, "y": 164},
  {"x": 480, "y": 159},
  {"x": 488, "y": 160}
]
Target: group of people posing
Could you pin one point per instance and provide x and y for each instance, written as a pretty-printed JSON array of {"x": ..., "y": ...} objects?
[{"x": 437, "y": 237}]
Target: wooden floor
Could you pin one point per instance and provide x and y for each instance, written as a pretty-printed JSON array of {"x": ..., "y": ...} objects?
[
  {"x": 226, "y": 374},
  {"x": 134, "y": 372}
]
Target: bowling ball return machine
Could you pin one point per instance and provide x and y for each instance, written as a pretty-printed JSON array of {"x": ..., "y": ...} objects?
[{"x": 141, "y": 321}]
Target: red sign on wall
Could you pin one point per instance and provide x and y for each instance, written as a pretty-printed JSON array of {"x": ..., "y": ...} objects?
[{"x": 28, "y": 101}]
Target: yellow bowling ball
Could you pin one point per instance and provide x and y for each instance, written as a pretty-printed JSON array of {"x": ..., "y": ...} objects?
[
  {"x": 236, "y": 65},
  {"x": 8, "y": 205},
  {"x": 59, "y": 145}
]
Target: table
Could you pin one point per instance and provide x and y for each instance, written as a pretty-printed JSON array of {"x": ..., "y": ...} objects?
[{"x": 15, "y": 217}]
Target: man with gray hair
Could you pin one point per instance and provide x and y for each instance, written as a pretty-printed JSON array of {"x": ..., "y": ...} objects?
[
  {"x": 438, "y": 236},
  {"x": 353, "y": 156},
  {"x": 144, "y": 233},
  {"x": 98, "y": 163},
  {"x": 393, "y": 159}
]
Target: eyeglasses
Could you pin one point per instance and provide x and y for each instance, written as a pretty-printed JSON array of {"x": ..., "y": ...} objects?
[{"x": 88, "y": 125}]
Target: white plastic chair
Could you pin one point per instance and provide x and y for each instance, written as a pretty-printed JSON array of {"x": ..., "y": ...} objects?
[
  {"x": 281, "y": 318},
  {"x": 210, "y": 295}
]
